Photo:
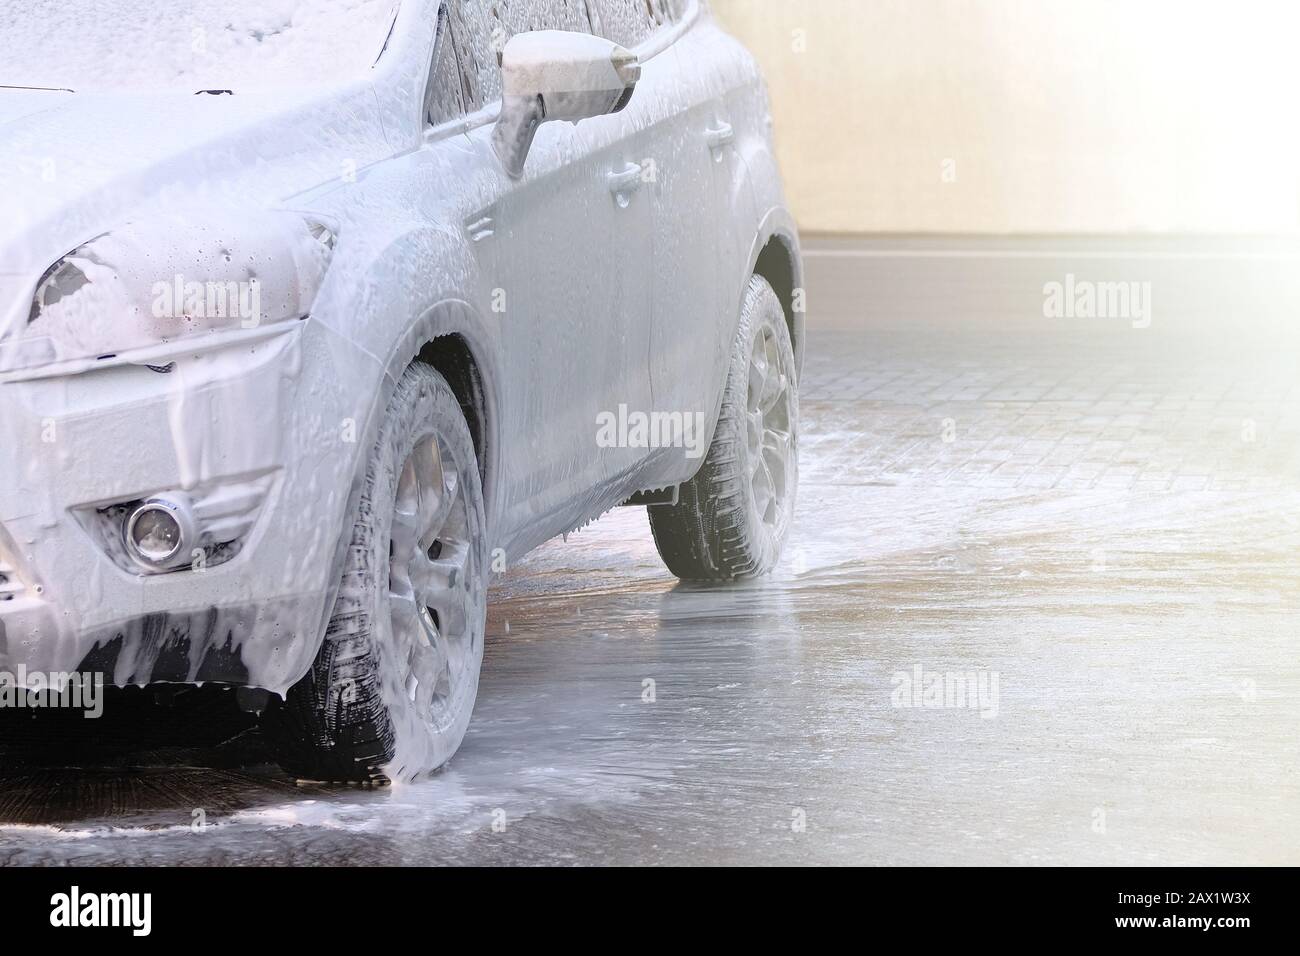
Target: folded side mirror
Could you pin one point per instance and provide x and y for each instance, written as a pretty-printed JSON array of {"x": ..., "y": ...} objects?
[{"x": 554, "y": 75}]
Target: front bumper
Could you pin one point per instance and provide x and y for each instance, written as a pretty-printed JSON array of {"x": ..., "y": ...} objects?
[{"x": 256, "y": 421}]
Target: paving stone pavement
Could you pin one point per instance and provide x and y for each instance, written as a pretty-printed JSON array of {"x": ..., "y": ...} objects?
[{"x": 1016, "y": 410}]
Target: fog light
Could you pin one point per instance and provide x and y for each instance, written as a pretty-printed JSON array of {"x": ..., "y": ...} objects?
[{"x": 159, "y": 533}]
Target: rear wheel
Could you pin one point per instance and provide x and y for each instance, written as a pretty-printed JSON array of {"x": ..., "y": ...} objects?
[
  {"x": 732, "y": 518},
  {"x": 391, "y": 691}
]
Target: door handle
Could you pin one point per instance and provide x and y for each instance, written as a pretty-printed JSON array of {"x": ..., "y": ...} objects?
[
  {"x": 629, "y": 180},
  {"x": 719, "y": 136},
  {"x": 480, "y": 229},
  {"x": 625, "y": 183}
]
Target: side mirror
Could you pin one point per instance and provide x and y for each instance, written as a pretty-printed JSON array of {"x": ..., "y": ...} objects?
[{"x": 555, "y": 75}]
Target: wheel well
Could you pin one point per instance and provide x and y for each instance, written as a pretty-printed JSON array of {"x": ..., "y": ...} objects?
[
  {"x": 776, "y": 265},
  {"x": 450, "y": 357}
]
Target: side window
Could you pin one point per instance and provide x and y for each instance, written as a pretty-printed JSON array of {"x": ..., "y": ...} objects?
[
  {"x": 509, "y": 17},
  {"x": 482, "y": 27},
  {"x": 628, "y": 22},
  {"x": 443, "y": 95},
  {"x": 479, "y": 74}
]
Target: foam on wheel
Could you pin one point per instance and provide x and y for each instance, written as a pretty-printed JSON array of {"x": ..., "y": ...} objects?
[
  {"x": 391, "y": 691},
  {"x": 732, "y": 518}
]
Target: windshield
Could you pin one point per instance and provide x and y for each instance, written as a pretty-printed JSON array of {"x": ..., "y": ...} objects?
[{"x": 188, "y": 45}]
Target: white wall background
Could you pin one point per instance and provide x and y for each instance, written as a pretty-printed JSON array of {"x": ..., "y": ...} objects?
[{"x": 1033, "y": 116}]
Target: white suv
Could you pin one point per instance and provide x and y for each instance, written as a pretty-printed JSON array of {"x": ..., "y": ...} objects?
[{"x": 313, "y": 313}]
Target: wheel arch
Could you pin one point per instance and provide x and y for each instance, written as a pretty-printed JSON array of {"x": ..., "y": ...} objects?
[
  {"x": 775, "y": 255},
  {"x": 450, "y": 338},
  {"x": 451, "y": 356},
  {"x": 449, "y": 335}
]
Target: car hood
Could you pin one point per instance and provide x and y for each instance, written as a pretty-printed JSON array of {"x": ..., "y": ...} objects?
[{"x": 79, "y": 164}]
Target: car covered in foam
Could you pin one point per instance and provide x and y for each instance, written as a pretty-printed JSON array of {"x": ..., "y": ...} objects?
[{"x": 315, "y": 314}]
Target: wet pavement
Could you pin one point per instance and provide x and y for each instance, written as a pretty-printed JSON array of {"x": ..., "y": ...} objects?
[{"x": 1041, "y": 605}]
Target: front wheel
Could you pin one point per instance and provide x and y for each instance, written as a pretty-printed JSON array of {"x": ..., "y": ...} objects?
[
  {"x": 391, "y": 691},
  {"x": 733, "y": 517}
]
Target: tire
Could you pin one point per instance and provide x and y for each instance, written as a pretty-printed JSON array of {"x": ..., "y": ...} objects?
[
  {"x": 733, "y": 517},
  {"x": 391, "y": 691}
]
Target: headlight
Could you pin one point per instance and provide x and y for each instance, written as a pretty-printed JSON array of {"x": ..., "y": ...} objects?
[{"x": 160, "y": 281}]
